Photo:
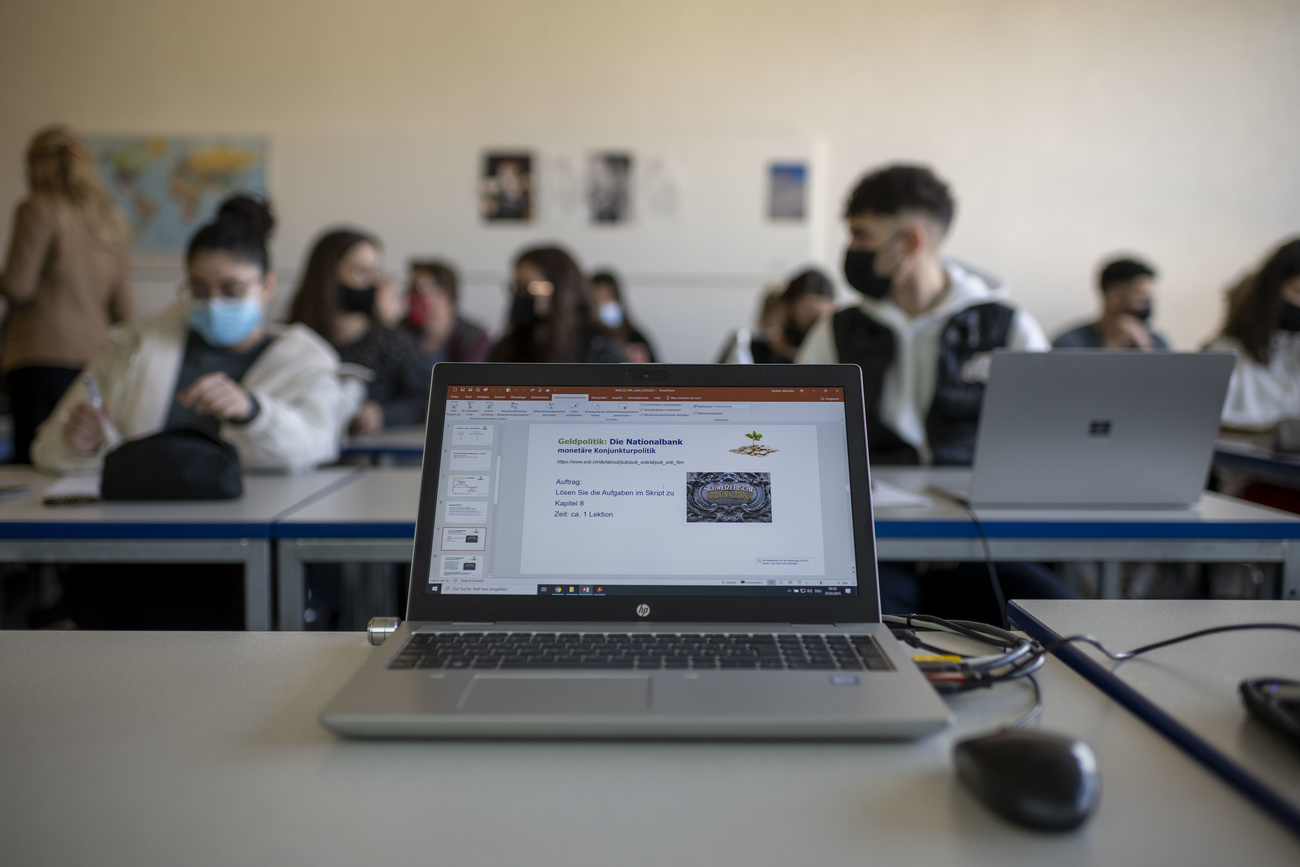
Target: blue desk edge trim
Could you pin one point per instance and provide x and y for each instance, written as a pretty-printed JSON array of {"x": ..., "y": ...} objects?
[
  {"x": 1147, "y": 711},
  {"x": 107, "y": 531},
  {"x": 1153, "y": 530},
  {"x": 291, "y": 530}
]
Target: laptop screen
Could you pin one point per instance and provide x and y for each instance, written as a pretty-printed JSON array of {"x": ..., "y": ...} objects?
[{"x": 642, "y": 491}]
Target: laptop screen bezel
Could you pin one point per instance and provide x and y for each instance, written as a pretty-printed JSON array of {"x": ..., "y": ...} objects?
[{"x": 864, "y": 607}]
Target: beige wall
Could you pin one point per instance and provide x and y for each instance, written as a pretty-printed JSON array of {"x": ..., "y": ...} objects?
[{"x": 1068, "y": 129}]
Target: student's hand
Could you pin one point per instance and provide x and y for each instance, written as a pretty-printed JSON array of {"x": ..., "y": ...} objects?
[
  {"x": 1128, "y": 332},
  {"x": 217, "y": 395},
  {"x": 83, "y": 431},
  {"x": 369, "y": 419}
]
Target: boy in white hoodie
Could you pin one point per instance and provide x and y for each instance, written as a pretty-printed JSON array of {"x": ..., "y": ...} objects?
[
  {"x": 923, "y": 334},
  {"x": 926, "y": 326}
]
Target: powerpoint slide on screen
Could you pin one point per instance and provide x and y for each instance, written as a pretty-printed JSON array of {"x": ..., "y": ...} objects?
[{"x": 665, "y": 500}]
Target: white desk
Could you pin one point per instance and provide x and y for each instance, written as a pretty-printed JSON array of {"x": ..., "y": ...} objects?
[
  {"x": 216, "y": 531},
  {"x": 1253, "y": 454},
  {"x": 372, "y": 520},
  {"x": 388, "y": 447},
  {"x": 1190, "y": 690},
  {"x": 203, "y": 749},
  {"x": 1217, "y": 529}
]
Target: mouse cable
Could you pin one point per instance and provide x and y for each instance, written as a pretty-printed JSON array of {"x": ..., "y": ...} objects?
[
  {"x": 1177, "y": 639},
  {"x": 998, "y": 596},
  {"x": 1032, "y": 714}
]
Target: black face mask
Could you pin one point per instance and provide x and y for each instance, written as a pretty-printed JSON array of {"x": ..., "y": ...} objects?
[
  {"x": 794, "y": 335},
  {"x": 1290, "y": 318},
  {"x": 523, "y": 312},
  {"x": 357, "y": 300},
  {"x": 860, "y": 272},
  {"x": 1142, "y": 314}
]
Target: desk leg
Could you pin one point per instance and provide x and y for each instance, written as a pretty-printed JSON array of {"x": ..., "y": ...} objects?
[
  {"x": 1291, "y": 570},
  {"x": 257, "y": 585},
  {"x": 1110, "y": 585},
  {"x": 290, "y": 585}
]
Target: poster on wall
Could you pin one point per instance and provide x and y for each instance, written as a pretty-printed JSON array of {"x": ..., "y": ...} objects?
[
  {"x": 787, "y": 191},
  {"x": 506, "y": 187},
  {"x": 168, "y": 186},
  {"x": 609, "y": 187}
]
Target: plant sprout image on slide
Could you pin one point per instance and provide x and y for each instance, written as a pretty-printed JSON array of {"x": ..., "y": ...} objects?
[{"x": 756, "y": 449}]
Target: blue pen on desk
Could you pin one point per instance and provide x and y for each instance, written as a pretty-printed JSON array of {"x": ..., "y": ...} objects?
[{"x": 111, "y": 435}]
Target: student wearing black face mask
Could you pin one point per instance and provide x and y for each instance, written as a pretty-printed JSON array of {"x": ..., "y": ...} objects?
[
  {"x": 923, "y": 335},
  {"x": 1263, "y": 326},
  {"x": 1127, "y": 287},
  {"x": 552, "y": 316},
  {"x": 926, "y": 326},
  {"x": 341, "y": 295}
]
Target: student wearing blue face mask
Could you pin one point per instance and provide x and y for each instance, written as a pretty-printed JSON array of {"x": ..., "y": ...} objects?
[
  {"x": 210, "y": 361},
  {"x": 612, "y": 312}
]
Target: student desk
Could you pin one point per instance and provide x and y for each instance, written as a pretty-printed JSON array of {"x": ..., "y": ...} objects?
[
  {"x": 203, "y": 749},
  {"x": 1216, "y": 529},
  {"x": 391, "y": 446},
  {"x": 372, "y": 519},
  {"x": 368, "y": 519},
  {"x": 221, "y": 531},
  {"x": 1188, "y": 691},
  {"x": 1253, "y": 454}
]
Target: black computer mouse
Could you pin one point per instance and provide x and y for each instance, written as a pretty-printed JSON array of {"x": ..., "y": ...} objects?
[{"x": 1035, "y": 779}]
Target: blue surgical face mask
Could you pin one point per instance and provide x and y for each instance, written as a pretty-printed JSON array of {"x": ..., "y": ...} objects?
[
  {"x": 611, "y": 314},
  {"x": 226, "y": 321}
]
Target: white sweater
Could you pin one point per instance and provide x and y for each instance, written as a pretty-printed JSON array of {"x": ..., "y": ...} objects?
[
  {"x": 295, "y": 381},
  {"x": 909, "y": 381},
  {"x": 1258, "y": 396}
]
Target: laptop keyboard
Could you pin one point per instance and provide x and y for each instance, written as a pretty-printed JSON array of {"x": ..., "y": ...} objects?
[{"x": 640, "y": 651}]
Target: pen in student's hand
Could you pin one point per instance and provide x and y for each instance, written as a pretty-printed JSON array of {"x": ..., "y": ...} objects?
[{"x": 111, "y": 435}]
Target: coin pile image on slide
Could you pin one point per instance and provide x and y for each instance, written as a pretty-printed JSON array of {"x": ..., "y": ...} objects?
[{"x": 755, "y": 450}]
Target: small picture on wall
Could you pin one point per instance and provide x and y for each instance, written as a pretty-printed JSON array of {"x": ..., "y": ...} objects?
[
  {"x": 787, "y": 191},
  {"x": 609, "y": 187},
  {"x": 507, "y": 187}
]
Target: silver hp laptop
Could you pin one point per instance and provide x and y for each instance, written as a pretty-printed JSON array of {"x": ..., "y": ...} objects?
[
  {"x": 642, "y": 551},
  {"x": 1092, "y": 428}
]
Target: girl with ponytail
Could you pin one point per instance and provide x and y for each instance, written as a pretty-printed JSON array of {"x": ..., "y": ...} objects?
[{"x": 211, "y": 361}]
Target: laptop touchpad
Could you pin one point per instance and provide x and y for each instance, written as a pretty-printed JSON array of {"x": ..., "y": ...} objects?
[{"x": 545, "y": 694}]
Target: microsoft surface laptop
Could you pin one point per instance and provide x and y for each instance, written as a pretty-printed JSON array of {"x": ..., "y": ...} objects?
[
  {"x": 1094, "y": 428},
  {"x": 642, "y": 551}
]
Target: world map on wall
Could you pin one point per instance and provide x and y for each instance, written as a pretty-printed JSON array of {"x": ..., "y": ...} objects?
[{"x": 169, "y": 186}]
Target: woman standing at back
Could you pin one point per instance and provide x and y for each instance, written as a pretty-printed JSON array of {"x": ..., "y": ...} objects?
[{"x": 66, "y": 277}]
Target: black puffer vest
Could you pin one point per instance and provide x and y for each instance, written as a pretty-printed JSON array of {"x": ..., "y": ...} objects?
[{"x": 954, "y": 414}]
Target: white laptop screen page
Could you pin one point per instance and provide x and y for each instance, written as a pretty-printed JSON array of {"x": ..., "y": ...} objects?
[{"x": 645, "y": 491}]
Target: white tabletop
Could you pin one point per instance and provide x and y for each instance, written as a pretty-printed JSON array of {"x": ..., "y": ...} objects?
[
  {"x": 1214, "y": 509},
  {"x": 375, "y": 502},
  {"x": 266, "y": 496},
  {"x": 203, "y": 748},
  {"x": 1196, "y": 682}
]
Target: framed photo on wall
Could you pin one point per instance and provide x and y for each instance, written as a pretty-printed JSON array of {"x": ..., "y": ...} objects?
[{"x": 506, "y": 187}]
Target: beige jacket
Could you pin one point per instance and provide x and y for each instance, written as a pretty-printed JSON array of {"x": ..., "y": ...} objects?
[
  {"x": 64, "y": 287},
  {"x": 296, "y": 383}
]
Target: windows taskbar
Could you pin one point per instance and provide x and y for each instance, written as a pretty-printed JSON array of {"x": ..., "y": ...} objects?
[{"x": 670, "y": 590}]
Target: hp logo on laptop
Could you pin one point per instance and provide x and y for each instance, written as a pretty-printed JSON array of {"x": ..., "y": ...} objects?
[{"x": 643, "y": 610}]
